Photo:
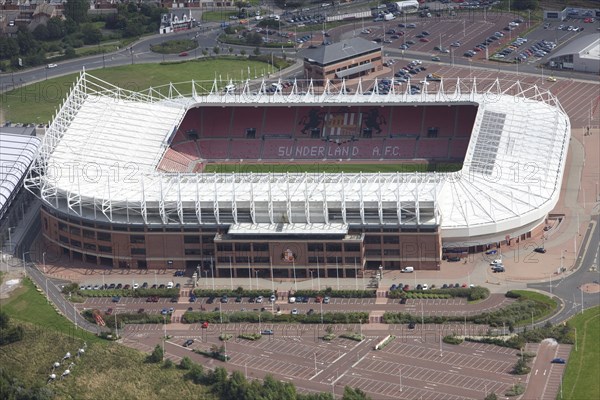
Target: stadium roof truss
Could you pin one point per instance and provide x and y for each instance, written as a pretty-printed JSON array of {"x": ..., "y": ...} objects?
[{"x": 100, "y": 154}]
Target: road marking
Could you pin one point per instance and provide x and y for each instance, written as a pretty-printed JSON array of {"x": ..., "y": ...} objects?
[{"x": 536, "y": 371}]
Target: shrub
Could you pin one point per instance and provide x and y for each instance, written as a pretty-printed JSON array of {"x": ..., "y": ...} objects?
[
  {"x": 225, "y": 336},
  {"x": 167, "y": 364},
  {"x": 185, "y": 363},
  {"x": 521, "y": 367},
  {"x": 328, "y": 337},
  {"x": 250, "y": 336},
  {"x": 352, "y": 336},
  {"x": 451, "y": 339},
  {"x": 516, "y": 390},
  {"x": 156, "y": 356}
]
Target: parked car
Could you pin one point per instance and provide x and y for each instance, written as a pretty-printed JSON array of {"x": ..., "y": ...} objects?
[
  {"x": 540, "y": 250},
  {"x": 403, "y": 300},
  {"x": 259, "y": 299},
  {"x": 295, "y": 311},
  {"x": 116, "y": 299},
  {"x": 558, "y": 361},
  {"x": 291, "y": 300},
  {"x": 272, "y": 298},
  {"x": 326, "y": 300},
  {"x": 411, "y": 325},
  {"x": 188, "y": 343},
  {"x": 205, "y": 325},
  {"x": 266, "y": 332}
]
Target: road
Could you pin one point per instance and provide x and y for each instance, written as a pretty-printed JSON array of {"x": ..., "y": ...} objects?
[{"x": 568, "y": 288}]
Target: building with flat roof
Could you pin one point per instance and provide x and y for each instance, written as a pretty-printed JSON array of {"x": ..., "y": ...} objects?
[
  {"x": 582, "y": 54},
  {"x": 347, "y": 59}
]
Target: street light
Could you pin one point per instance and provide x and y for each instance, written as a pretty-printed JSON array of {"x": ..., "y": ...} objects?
[
  {"x": 24, "y": 270},
  {"x": 44, "y": 261},
  {"x": 256, "y": 274}
]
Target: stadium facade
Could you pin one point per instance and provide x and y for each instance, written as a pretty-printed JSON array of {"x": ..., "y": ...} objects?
[{"x": 121, "y": 175}]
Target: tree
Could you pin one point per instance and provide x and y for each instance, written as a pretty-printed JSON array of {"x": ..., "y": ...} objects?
[
  {"x": 157, "y": 355},
  {"x": 491, "y": 396},
  {"x": 4, "y": 320},
  {"x": 216, "y": 50},
  {"x": 243, "y": 52},
  {"x": 354, "y": 394},
  {"x": 27, "y": 43},
  {"x": 524, "y": 4},
  {"x": 56, "y": 28},
  {"x": 185, "y": 363},
  {"x": 195, "y": 374},
  {"x": 257, "y": 51},
  {"x": 76, "y": 10},
  {"x": 9, "y": 48},
  {"x": 167, "y": 364},
  {"x": 41, "y": 32},
  {"x": 91, "y": 34}
]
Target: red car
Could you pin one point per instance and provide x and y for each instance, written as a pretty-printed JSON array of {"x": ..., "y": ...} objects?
[
  {"x": 205, "y": 325},
  {"x": 183, "y": 54},
  {"x": 424, "y": 40}
]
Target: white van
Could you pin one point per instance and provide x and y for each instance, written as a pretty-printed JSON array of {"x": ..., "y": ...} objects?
[
  {"x": 408, "y": 269},
  {"x": 170, "y": 285}
]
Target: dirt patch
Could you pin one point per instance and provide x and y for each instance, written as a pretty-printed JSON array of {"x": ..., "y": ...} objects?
[
  {"x": 590, "y": 288},
  {"x": 10, "y": 282}
]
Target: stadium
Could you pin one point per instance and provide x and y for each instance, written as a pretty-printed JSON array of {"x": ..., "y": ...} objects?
[{"x": 297, "y": 181}]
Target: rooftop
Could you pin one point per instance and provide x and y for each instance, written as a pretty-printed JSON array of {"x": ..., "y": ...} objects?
[{"x": 341, "y": 50}]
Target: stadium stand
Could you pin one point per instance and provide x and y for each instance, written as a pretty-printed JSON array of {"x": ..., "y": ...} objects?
[
  {"x": 458, "y": 147},
  {"x": 277, "y": 148},
  {"x": 440, "y": 119},
  {"x": 399, "y": 148},
  {"x": 244, "y": 118},
  {"x": 214, "y": 149},
  {"x": 187, "y": 148},
  {"x": 216, "y": 122},
  {"x": 245, "y": 149},
  {"x": 465, "y": 116},
  {"x": 432, "y": 148},
  {"x": 280, "y": 120}
]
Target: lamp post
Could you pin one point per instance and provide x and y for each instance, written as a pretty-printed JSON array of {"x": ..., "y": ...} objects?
[
  {"x": 256, "y": 274},
  {"x": 312, "y": 283},
  {"x": 337, "y": 273},
  {"x": 44, "y": 261},
  {"x": 24, "y": 264},
  {"x": 10, "y": 249}
]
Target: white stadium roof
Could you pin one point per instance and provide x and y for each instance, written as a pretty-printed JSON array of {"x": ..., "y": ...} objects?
[
  {"x": 100, "y": 155},
  {"x": 17, "y": 152}
]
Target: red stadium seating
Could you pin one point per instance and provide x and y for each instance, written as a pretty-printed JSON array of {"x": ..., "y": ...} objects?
[
  {"x": 465, "y": 118},
  {"x": 216, "y": 122},
  {"x": 173, "y": 161},
  {"x": 407, "y": 121},
  {"x": 278, "y": 149},
  {"x": 432, "y": 148},
  {"x": 279, "y": 121},
  {"x": 443, "y": 118},
  {"x": 399, "y": 148},
  {"x": 245, "y": 149},
  {"x": 458, "y": 148},
  {"x": 188, "y": 149},
  {"x": 395, "y": 133},
  {"x": 214, "y": 149},
  {"x": 244, "y": 118}
]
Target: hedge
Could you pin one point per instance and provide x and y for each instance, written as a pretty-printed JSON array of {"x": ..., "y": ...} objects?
[
  {"x": 130, "y": 293},
  {"x": 191, "y": 317},
  {"x": 217, "y": 356},
  {"x": 353, "y": 336},
  {"x": 126, "y": 318},
  {"x": 232, "y": 293},
  {"x": 475, "y": 293},
  {"x": 360, "y": 294},
  {"x": 250, "y": 336},
  {"x": 451, "y": 339},
  {"x": 329, "y": 337}
]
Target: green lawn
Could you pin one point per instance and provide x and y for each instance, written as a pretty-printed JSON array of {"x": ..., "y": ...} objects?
[
  {"x": 219, "y": 16},
  {"x": 37, "y": 102},
  {"x": 581, "y": 380},
  {"x": 328, "y": 168},
  {"x": 28, "y": 305}
]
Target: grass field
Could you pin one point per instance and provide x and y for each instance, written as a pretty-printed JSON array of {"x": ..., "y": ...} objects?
[
  {"x": 37, "y": 102},
  {"x": 108, "y": 370},
  {"x": 581, "y": 380},
  {"x": 28, "y": 305},
  {"x": 329, "y": 168}
]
